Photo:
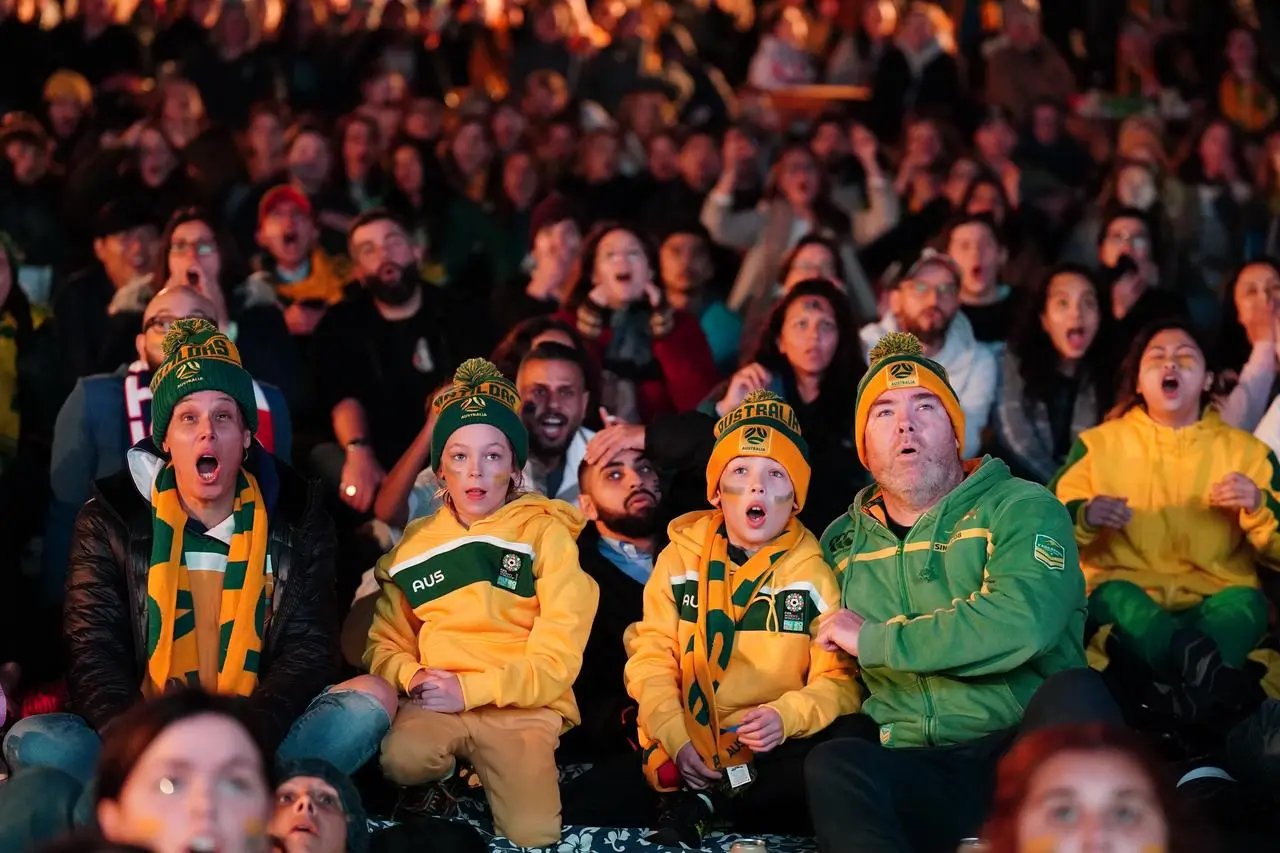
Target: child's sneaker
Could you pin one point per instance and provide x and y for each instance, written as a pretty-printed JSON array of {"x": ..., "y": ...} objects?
[
  {"x": 435, "y": 799},
  {"x": 683, "y": 819}
]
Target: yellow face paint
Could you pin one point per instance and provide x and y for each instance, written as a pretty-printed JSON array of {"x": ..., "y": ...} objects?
[
  {"x": 148, "y": 827},
  {"x": 1044, "y": 844}
]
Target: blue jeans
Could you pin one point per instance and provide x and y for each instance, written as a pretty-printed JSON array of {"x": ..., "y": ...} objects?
[{"x": 53, "y": 757}]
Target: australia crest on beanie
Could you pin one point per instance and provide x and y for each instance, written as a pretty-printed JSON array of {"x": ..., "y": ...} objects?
[
  {"x": 761, "y": 425},
  {"x": 198, "y": 357},
  {"x": 898, "y": 361},
  {"x": 480, "y": 394}
]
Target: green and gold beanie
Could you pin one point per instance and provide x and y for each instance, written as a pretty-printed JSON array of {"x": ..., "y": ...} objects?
[
  {"x": 762, "y": 425},
  {"x": 197, "y": 357},
  {"x": 480, "y": 394},
  {"x": 898, "y": 361}
]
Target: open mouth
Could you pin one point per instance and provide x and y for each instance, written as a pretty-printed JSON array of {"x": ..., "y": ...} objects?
[
  {"x": 290, "y": 239},
  {"x": 476, "y": 494},
  {"x": 642, "y": 500},
  {"x": 208, "y": 466},
  {"x": 756, "y": 515},
  {"x": 624, "y": 277},
  {"x": 552, "y": 424},
  {"x": 303, "y": 827},
  {"x": 976, "y": 272},
  {"x": 907, "y": 451},
  {"x": 388, "y": 272},
  {"x": 1076, "y": 337},
  {"x": 1169, "y": 386},
  {"x": 193, "y": 277},
  {"x": 203, "y": 844}
]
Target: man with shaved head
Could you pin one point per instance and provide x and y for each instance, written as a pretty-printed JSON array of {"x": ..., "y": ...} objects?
[{"x": 107, "y": 414}]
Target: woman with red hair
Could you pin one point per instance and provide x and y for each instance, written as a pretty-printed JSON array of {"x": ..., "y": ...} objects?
[{"x": 1078, "y": 788}]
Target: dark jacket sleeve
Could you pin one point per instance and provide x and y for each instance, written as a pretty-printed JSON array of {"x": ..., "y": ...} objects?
[
  {"x": 102, "y": 681},
  {"x": 72, "y": 469},
  {"x": 304, "y": 644}
]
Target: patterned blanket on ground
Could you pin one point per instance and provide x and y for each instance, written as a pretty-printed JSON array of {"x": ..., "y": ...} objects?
[{"x": 595, "y": 839}]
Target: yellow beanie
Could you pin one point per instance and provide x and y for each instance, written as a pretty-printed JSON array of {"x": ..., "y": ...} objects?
[
  {"x": 762, "y": 425},
  {"x": 68, "y": 84},
  {"x": 898, "y": 361}
]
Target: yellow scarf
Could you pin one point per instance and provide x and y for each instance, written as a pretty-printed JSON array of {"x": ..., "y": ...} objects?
[
  {"x": 703, "y": 661},
  {"x": 10, "y": 422},
  {"x": 172, "y": 640}
]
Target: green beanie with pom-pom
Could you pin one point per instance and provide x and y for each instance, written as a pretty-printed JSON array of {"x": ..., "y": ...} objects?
[{"x": 480, "y": 394}]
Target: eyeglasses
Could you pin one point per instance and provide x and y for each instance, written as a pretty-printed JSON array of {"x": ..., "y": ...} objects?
[
  {"x": 200, "y": 248},
  {"x": 162, "y": 322},
  {"x": 942, "y": 291}
]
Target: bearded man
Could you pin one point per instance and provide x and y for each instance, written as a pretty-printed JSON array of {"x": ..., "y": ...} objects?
[
  {"x": 552, "y": 384},
  {"x": 926, "y": 304},
  {"x": 378, "y": 357},
  {"x": 620, "y": 493},
  {"x": 963, "y": 600}
]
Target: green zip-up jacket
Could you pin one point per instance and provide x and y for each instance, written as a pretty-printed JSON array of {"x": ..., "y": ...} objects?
[{"x": 982, "y": 601}]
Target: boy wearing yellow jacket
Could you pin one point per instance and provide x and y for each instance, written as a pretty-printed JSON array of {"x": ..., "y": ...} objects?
[
  {"x": 483, "y": 617},
  {"x": 724, "y": 666}
]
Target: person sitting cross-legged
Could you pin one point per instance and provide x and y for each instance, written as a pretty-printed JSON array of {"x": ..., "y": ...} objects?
[
  {"x": 205, "y": 562},
  {"x": 964, "y": 604},
  {"x": 732, "y": 687}
]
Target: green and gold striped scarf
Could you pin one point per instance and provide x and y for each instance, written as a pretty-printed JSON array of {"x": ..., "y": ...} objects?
[
  {"x": 173, "y": 642},
  {"x": 722, "y": 602}
]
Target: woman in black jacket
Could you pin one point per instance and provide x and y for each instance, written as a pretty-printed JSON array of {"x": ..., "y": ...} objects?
[{"x": 199, "y": 497}]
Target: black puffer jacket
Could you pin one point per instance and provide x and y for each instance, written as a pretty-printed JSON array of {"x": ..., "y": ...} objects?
[{"x": 105, "y": 615}]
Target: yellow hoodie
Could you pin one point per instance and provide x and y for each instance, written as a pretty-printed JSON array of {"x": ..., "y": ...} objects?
[
  {"x": 504, "y": 605},
  {"x": 1177, "y": 547},
  {"x": 775, "y": 661}
]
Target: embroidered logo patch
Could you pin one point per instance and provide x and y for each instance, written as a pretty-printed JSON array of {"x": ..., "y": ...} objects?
[
  {"x": 473, "y": 405},
  {"x": 1048, "y": 551},
  {"x": 755, "y": 439},
  {"x": 903, "y": 375},
  {"x": 188, "y": 370},
  {"x": 509, "y": 572},
  {"x": 793, "y": 613},
  {"x": 886, "y": 734}
]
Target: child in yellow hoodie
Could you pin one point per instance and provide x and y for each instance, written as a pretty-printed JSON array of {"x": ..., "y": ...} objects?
[
  {"x": 731, "y": 683},
  {"x": 483, "y": 617},
  {"x": 1175, "y": 512}
]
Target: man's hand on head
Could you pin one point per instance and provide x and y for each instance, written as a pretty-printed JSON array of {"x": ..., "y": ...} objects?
[
  {"x": 839, "y": 631},
  {"x": 612, "y": 439}
]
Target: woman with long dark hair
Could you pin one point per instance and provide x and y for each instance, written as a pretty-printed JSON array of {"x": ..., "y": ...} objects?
[
  {"x": 1175, "y": 515},
  {"x": 1087, "y": 788},
  {"x": 653, "y": 359},
  {"x": 809, "y": 354},
  {"x": 1247, "y": 341},
  {"x": 1053, "y": 383}
]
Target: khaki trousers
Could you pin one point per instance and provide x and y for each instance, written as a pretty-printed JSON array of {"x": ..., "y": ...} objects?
[{"x": 512, "y": 750}]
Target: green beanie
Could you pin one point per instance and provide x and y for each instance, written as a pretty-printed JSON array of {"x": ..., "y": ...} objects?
[
  {"x": 480, "y": 394},
  {"x": 197, "y": 357}
]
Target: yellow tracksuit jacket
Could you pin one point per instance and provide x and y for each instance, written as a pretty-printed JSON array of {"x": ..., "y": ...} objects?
[
  {"x": 504, "y": 605},
  {"x": 1177, "y": 547},
  {"x": 775, "y": 661}
]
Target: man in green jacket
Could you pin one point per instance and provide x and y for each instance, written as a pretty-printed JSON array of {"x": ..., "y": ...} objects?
[{"x": 965, "y": 606}]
